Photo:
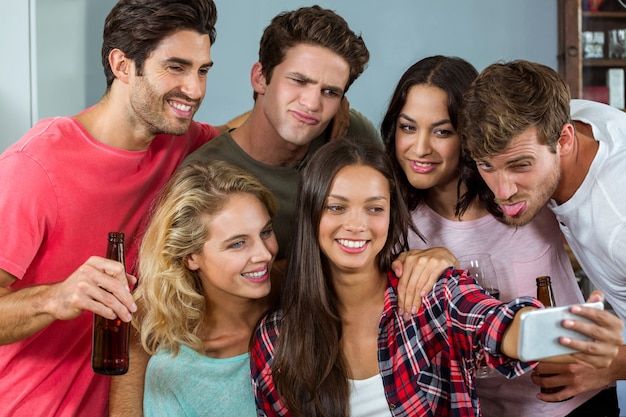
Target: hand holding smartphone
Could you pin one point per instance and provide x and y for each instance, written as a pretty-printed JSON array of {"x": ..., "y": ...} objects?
[{"x": 541, "y": 329}]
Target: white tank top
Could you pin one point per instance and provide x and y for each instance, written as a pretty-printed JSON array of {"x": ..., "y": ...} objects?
[{"x": 367, "y": 397}]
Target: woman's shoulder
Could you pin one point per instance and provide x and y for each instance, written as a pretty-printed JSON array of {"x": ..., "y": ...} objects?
[{"x": 269, "y": 326}]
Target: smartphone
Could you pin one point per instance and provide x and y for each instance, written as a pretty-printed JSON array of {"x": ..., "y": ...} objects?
[{"x": 541, "y": 329}]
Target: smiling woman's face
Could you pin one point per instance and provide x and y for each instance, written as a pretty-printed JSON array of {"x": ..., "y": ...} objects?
[
  {"x": 237, "y": 257},
  {"x": 427, "y": 145},
  {"x": 355, "y": 221}
]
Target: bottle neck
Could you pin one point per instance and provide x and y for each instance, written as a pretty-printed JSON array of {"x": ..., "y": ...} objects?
[
  {"x": 544, "y": 291},
  {"x": 115, "y": 249}
]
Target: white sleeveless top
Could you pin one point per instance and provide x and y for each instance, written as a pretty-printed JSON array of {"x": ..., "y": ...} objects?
[{"x": 367, "y": 397}]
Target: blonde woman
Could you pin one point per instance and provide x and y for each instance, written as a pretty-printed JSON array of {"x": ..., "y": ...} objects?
[{"x": 204, "y": 264}]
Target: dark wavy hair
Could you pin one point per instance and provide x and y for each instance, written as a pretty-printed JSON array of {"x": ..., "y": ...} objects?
[
  {"x": 137, "y": 26},
  {"x": 454, "y": 76},
  {"x": 313, "y": 373}
]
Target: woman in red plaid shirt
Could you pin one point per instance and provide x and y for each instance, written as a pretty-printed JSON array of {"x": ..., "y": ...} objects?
[{"x": 338, "y": 347}]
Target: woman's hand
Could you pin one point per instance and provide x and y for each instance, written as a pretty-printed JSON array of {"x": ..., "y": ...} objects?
[{"x": 418, "y": 271}]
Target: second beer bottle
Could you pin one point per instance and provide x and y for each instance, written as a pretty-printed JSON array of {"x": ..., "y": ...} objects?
[{"x": 546, "y": 296}]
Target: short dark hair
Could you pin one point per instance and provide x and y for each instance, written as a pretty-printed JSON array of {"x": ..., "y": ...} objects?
[
  {"x": 312, "y": 26},
  {"x": 137, "y": 26}
]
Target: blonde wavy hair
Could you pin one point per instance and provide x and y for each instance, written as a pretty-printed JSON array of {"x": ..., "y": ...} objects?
[{"x": 170, "y": 295}]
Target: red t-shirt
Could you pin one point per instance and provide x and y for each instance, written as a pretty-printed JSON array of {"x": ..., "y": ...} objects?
[{"x": 61, "y": 193}]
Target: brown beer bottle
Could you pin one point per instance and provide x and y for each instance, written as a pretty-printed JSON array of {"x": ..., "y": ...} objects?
[
  {"x": 544, "y": 291},
  {"x": 546, "y": 296},
  {"x": 109, "y": 355}
]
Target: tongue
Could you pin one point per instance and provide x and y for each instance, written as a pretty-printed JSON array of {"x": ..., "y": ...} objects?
[{"x": 513, "y": 209}]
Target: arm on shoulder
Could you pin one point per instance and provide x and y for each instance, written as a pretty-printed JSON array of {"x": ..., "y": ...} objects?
[{"x": 418, "y": 271}]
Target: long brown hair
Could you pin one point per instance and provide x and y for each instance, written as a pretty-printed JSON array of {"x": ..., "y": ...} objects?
[{"x": 309, "y": 369}]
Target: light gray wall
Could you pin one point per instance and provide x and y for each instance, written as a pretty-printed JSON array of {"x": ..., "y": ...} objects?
[
  {"x": 59, "y": 58},
  {"x": 15, "y": 91},
  {"x": 50, "y": 61},
  {"x": 397, "y": 33},
  {"x": 62, "y": 46}
]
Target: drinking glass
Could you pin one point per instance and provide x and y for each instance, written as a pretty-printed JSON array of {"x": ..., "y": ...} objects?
[{"x": 481, "y": 268}]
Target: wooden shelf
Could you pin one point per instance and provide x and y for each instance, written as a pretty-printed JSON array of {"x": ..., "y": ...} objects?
[
  {"x": 573, "y": 20},
  {"x": 605, "y": 15},
  {"x": 600, "y": 62}
]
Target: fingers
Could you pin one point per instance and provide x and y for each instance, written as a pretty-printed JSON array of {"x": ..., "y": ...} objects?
[
  {"x": 112, "y": 290},
  {"x": 99, "y": 285},
  {"x": 341, "y": 121},
  {"x": 591, "y": 353},
  {"x": 106, "y": 304},
  {"x": 398, "y": 263},
  {"x": 596, "y": 295},
  {"x": 563, "y": 394},
  {"x": 604, "y": 325},
  {"x": 605, "y": 330},
  {"x": 131, "y": 281},
  {"x": 397, "y": 266},
  {"x": 547, "y": 368},
  {"x": 556, "y": 381},
  {"x": 411, "y": 284},
  {"x": 418, "y": 272},
  {"x": 408, "y": 286},
  {"x": 573, "y": 378}
]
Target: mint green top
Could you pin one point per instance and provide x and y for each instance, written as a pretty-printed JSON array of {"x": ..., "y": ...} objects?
[{"x": 191, "y": 384}]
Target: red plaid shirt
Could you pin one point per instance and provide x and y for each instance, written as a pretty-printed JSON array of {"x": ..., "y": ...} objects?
[{"x": 426, "y": 363}]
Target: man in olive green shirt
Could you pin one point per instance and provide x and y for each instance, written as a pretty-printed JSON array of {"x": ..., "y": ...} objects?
[{"x": 308, "y": 58}]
